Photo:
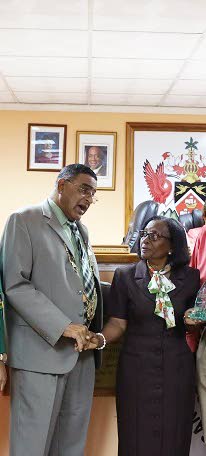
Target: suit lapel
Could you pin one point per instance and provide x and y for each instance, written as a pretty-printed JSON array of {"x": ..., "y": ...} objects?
[
  {"x": 177, "y": 277},
  {"x": 142, "y": 278},
  {"x": 53, "y": 222}
]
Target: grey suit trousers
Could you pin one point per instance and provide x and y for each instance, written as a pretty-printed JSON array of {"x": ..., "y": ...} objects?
[{"x": 50, "y": 413}]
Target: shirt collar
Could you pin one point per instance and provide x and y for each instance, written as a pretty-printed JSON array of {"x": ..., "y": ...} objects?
[
  {"x": 96, "y": 170},
  {"x": 58, "y": 212}
]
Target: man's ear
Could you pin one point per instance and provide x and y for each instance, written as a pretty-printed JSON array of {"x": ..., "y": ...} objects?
[{"x": 60, "y": 185}]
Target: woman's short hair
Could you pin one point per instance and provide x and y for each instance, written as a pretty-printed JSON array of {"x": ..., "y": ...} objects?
[{"x": 180, "y": 253}]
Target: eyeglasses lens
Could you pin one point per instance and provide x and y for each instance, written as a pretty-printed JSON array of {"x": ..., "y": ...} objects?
[{"x": 151, "y": 236}]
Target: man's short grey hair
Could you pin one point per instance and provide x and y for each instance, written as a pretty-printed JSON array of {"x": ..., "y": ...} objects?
[{"x": 71, "y": 171}]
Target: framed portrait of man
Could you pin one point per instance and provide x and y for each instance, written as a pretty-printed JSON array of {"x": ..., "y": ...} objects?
[{"x": 98, "y": 151}]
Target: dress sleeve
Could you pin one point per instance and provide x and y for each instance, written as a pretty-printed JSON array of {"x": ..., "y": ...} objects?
[
  {"x": 194, "y": 257},
  {"x": 118, "y": 298}
]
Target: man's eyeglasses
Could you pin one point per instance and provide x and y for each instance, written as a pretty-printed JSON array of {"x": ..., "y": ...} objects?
[
  {"x": 152, "y": 235},
  {"x": 84, "y": 191}
]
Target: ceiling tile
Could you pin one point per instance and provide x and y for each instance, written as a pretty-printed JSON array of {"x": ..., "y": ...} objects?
[
  {"x": 54, "y": 43},
  {"x": 131, "y": 86},
  {"x": 44, "y": 66},
  {"x": 150, "y": 15},
  {"x": 48, "y": 14},
  {"x": 48, "y": 84},
  {"x": 189, "y": 87},
  {"x": 201, "y": 50},
  {"x": 143, "y": 45},
  {"x": 6, "y": 97},
  {"x": 71, "y": 98},
  {"x": 124, "y": 99},
  {"x": 133, "y": 68},
  {"x": 201, "y": 102},
  {"x": 181, "y": 101},
  {"x": 3, "y": 85},
  {"x": 134, "y": 52},
  {"x": 195, "y": 69}
]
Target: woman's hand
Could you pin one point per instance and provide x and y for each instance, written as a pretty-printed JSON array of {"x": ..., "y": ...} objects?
[
  {"x": 190, "y": 321},
  {"x": 3, "y": 376},
  {"x": 94, "y": 341},
  {"x": 112, "y": 331}
]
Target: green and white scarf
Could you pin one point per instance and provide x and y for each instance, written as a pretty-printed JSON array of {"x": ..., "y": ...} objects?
[{"x": 161, "y": 286}]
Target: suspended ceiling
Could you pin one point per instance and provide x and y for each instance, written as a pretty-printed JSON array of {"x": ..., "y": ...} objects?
[{"x": 135, "y": 55}]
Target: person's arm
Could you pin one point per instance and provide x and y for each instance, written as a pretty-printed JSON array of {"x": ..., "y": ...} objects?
[
  {"x": 3, "y": 376},
  {"x": 3, "y": 373},
  {"x": 2, "y": 335},
  {"x": 32, "y": 305},
  {"x": 112, "y": 331},
  {"x": 118, "y": 309},
  {"x": 191, "y": 324},
  {"x": 195, "y": 254}
]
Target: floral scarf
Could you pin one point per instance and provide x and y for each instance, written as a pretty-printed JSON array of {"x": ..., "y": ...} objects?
[{"x": 161, "y": 286}]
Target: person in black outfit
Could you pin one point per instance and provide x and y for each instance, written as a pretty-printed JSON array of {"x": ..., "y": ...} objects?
[{"x": 149, "y": 303}]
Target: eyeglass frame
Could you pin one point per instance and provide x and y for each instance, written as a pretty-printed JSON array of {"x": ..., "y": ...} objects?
[
  {"x": 152, "y": 233},
  {"x": 84, "y": 191}
]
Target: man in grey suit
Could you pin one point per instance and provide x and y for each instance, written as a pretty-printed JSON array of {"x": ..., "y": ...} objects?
[{"x": 53, "y": 300}]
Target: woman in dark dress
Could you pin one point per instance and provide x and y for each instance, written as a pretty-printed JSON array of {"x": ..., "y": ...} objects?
[{"x": 156, "y": 372}]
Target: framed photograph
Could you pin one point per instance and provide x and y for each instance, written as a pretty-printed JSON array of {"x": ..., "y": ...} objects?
[
  {"x": 46, "y": 147},
  {"x": 166, "y": 163},
  {"x": 98, "y": 151}
]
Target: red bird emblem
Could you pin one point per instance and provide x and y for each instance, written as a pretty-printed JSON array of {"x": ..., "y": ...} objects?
[{"x": 158, "y": 184}]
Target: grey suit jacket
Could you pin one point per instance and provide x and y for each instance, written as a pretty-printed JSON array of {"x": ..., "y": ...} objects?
[{"x": 43, "y": 292}]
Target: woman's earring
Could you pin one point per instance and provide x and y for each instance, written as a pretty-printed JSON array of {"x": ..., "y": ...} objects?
[{"x": 169, "y": 253}]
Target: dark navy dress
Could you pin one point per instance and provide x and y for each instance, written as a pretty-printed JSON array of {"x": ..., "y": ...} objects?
[{"x": 156, "y": 372}]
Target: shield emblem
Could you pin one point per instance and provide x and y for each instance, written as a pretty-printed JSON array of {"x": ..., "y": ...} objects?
[{"x": 188, "y": 196}]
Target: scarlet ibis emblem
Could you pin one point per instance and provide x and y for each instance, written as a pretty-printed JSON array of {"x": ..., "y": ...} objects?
[{"x": 158, "y": 184}]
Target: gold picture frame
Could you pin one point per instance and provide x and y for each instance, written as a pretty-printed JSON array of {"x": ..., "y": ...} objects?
[{"x": 46, "y": 149}]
